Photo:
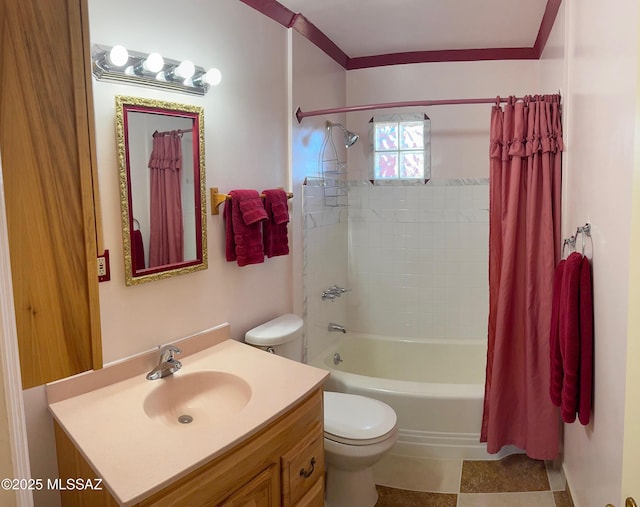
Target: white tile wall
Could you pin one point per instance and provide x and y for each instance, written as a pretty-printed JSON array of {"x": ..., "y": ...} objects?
[
  {"x": 418, "y": 259},
  {"x": 415, "y": 259},
  {"x": 325, "y": 264}
]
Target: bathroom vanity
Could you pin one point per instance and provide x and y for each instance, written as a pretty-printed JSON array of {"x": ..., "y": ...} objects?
[{"x": 255, "y": 438}]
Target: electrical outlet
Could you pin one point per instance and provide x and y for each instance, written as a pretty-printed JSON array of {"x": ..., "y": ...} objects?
[
  {"x": 104, "y": 273},
  {"x": 102, "y": 266}
]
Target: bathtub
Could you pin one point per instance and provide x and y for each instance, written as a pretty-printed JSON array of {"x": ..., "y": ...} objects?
[{"x": 436, "y": 388}]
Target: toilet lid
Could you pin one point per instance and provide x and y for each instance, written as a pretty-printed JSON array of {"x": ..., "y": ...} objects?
[
  {"x": 278, "y": 331},
  {"x": 356, "y": 418}
]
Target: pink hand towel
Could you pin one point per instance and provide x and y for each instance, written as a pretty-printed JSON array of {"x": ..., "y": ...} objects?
[
  {"x": 243, "y": 215},
  {"x": 586, "y": 342},
  {"x": 275, "y": 238},
  {"x": 555, "y": 356},
  {"x": 251, "y": 205},
  {"x": 230, "y": 241},
  {"x": 138, "y": 250},
  {"x": 569, "y": 336}
]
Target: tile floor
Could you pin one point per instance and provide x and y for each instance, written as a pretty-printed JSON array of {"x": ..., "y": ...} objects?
[{"x": 514, "y": 481}]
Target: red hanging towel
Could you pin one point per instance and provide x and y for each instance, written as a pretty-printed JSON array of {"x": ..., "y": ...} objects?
[
  {"x": 555, "y": 381},
  {"x": 274, "y": 234},
  {"x": 586, "y": 342},
  {"x": 243, "y": 215},
  {"x": 569, "y": 336}
]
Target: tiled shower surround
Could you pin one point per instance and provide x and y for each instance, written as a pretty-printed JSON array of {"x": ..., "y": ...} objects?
[
  {"x": 325, "y": 264},
  {"x": 418, "y": 259},
  {"x": 415, "y": 259}
]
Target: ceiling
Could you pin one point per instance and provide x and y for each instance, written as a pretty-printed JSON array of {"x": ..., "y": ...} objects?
[{"x": 368, "y": 33}]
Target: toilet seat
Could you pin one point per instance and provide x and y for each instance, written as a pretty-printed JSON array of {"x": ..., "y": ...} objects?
[{"x": 356, "y": 420}]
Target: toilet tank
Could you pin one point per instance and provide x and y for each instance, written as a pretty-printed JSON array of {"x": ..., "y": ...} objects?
[{"x": 282, "y": 336}]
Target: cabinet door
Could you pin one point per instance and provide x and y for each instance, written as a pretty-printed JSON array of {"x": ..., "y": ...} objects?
[
  {"x": 47, "y": 169},
  {"x": 261, "y": 491}
]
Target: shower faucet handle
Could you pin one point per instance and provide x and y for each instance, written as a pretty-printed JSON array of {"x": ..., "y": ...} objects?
[
  {"x": 333, "y": 292},
  {"x": 326, "y": 294}
]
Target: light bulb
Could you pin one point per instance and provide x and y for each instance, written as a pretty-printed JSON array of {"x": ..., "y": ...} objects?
[
  {"x": 153, "y": 63},
  {"x": 118, "y": 56},
  {"x": 185, "y": 70},
  {"x": 212, "y": 77}
]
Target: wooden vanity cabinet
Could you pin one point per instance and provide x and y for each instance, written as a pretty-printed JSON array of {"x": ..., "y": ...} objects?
[
  {"x": 262, "y": 490},
  {"x": 282, "y": 465}
]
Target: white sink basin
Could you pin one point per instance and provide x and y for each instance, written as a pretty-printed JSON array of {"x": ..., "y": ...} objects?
[{"x": 197, "y": 399}]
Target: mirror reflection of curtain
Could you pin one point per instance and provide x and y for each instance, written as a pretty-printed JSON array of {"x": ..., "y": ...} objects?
[{"x": 166, "y": 230}]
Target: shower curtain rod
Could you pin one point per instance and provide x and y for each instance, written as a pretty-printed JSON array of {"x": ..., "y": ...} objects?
[
  {"x": 443, "y": 102},
  {"x": 179, "y": 131}
]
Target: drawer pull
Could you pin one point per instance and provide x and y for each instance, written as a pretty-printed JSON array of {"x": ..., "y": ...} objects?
[{"x": 304, "y": 473}]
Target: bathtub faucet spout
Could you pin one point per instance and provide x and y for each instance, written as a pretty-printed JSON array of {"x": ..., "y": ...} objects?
[{"x": 336, "y": 328}]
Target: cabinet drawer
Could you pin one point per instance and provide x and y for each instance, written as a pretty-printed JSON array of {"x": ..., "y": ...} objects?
[{"x": 302, "y": 467}]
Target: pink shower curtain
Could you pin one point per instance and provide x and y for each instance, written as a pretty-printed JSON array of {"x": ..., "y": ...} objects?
[
  {"x": 524, "y": 237},
  {"x": 166, "y": 230}
]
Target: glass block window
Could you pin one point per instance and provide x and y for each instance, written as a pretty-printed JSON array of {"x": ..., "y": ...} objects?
[{"x": 400, "y": 148}]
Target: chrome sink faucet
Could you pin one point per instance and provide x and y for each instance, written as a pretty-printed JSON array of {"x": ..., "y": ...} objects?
[{"x": 168, "y": 364}]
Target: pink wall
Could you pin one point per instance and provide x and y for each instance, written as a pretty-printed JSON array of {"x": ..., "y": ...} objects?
[
  {"x": 600, "y": 69},
  {"x": 246, "y": 146},
  {"x": 318, "y": 82},
  {"x": 452, "y": 127}
]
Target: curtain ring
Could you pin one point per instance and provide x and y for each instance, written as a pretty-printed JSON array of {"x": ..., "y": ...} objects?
[{"x": 498, "y": 100}]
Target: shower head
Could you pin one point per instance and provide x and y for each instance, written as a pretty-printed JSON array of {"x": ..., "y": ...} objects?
[{"x": 350, "y": 138}]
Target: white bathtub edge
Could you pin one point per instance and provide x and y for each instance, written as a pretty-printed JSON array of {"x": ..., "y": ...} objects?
[
  {"x": 444, "y": 430},
  {"x": 440, "y": 445}
]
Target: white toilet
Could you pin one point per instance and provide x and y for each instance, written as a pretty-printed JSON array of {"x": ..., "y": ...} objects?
[{"x": 358, "y": 431}]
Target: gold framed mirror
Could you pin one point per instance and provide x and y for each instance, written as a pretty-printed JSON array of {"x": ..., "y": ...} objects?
[{"x": 162, "y": 188}]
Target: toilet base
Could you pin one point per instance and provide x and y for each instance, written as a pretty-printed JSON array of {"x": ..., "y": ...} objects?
[{"x": 354, "y": 488}]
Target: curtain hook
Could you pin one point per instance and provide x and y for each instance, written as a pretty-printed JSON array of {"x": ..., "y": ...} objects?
[
  {"x": 586, "y": 231},
  {"x": 581, "y": 231}
]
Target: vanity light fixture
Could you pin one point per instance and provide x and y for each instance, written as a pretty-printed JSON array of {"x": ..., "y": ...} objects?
[
  {"x": 184, "y": 71},
  {"x": 153, "y": 63},
  {"x": 118, "y": 56},
  {"x": 114, "y": 57},
  {"x": 117, "y": 64},
  {"x": 212, "y": 77}
]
